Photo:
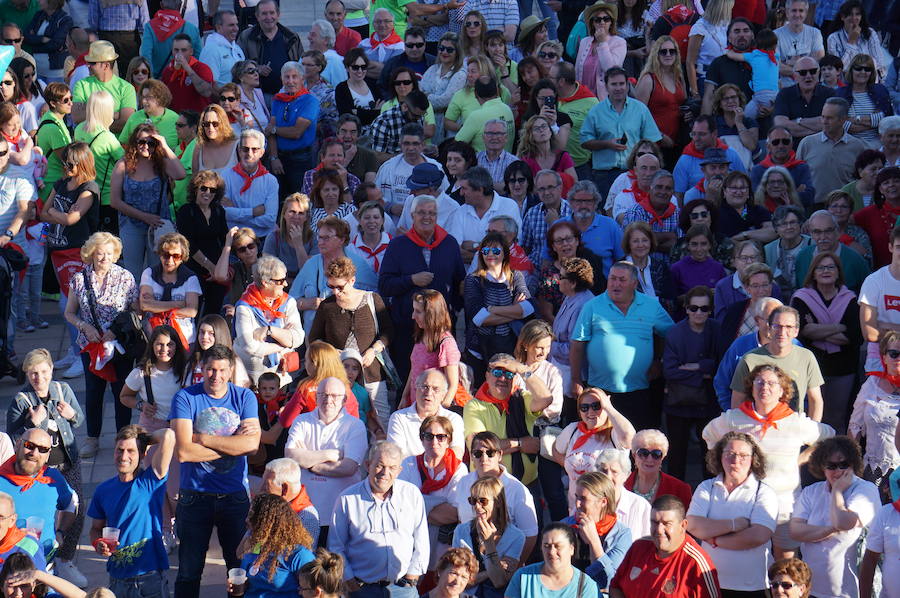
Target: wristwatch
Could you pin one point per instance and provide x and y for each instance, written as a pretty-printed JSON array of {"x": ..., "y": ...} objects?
[
  {"x": 140, "y": 405},
  {"x": 9, "y": 233}
]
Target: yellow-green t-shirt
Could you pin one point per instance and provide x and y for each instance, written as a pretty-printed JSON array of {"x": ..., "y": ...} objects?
[
  {"x": 164, "y": 123},
  {"x": 121, "y": 90},
  {"x": 52, "y": 135},
  {"x": 479, "y": 416},
  {"x": 107, "y": 151}
]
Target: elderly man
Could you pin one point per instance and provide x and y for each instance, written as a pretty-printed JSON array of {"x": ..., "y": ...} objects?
[
  {"x": 270, "y": 44},
  {"x": 221, "y": 49},
  {"x": 492, "y": 109},
  {"x": 822, "y": 227},
  {"x": 781, "y": 254},
  {"x": 576, "y": 100},
  {"x": 321, "y": 39},
  {"x": 251, "y": 192},
  {"x": 659, "y": 210},
  {"x": 714, "y": 167},
  {"x": 796, "y": 39},
  {"x": 724, "y": 70},
  {"x": 380, "y": 528},
  {"x": 538, "y": 218},
  {"x": 704, "y": 135},
  {"x": 189, "y": 80},
  {"x": 798, "y": 108},
  {"x": 360, "y": 161},
  {"x": 394, "y": 173},
  {"x": 669, "y": 562},
  {"x": 599, "y": 233},
  {"x": 383, "y": 44},
  {"x": 345, "y": 38},
  {"x": 329, "y": 445},
  {"x": 387, "y": 128},
  {"x": 430, "y": 390},
  {"x": 12, "y": 36},
  {"x": 425, "y": 257},
  {"x": 469, "y": 223},
  {"x": 413, "y": 57},
  {"x": 101, "y": 59},
  {"x": 645, "y": 166},
  {"x": 781, "y": 153},
  {"x": 282, "y": 478},
  {"x": 160, "y": 32},
  {"x": 427, "y": 179},
  {"x": 494, "y": 157},
  {"x": 120, "y": 24},
  {"x": 14, "y": 539},
  {"x": 831, "y": 154},
  {"x": 614, "y": 332}
]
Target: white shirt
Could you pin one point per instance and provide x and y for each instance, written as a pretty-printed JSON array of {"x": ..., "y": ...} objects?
[
  {"x": 582, "y": 460},
  {"x": 743, "y": 570},
  {"x": 884, "y": 537},
  {"x": 219, "y": 55},
  {"x": 164, "y": 384},
  {"x": 622, "y": 182},
  {"x": 403, "y": 430},
  {"x": 465, "y": 225},
  {"x": 834, "y": 558},
  {"x": 875, "y": 417},
  {"x": 634, "y": 512},
  {"x": 881, "y": 291},
  {"x": 391, "y": 179},
  {"x": 519, "y": 503},
  {"x": 191, "y": 285},
  {"x": 347, "y": 433},
  {"x": 446, "y": 206}
]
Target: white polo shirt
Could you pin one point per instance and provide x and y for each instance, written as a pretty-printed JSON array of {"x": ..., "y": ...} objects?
[
  {"x": 519, "y": 503},
  {"x": 465, "y": 225},
  {"x": 403, "y": 430},
  {"x": 634, "y": 513},
  {"x": 884, "y": 537}
]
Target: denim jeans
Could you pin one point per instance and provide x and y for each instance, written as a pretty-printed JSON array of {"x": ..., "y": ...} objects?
[
  {"x": 30, "y": 295},
  {"x": 95, "y": 389},
  {"x": 135, "y": 249},
  {"x": 390, "y": 591},
  {"x": 295, "y": 164},
  {"x": 150, "y": 585},
  {"x": 196, "y": 515}
]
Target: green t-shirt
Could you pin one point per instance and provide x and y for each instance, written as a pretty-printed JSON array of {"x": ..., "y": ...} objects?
[
  {"x": 472, "y": 131},
  {"x": 396, "y": 8},
  {"x": 121, "y": 90},
  {"x": 463, "y": 103},
  {"x": 107, "y": 151},
  {"x": 179, "y": 194},
  {"x": 165, "y": 124},
  {"x": 479, "y": 416},
  {"x": 50, "y": 137},
  {"x": 22, "y": 18}
]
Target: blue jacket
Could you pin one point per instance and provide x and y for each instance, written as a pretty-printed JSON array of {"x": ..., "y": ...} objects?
[
  {"x": 878, "y": 93},
  {"x": 18, "y": 420},
  {"x": 58, "y": 26},
  {"x": 615, "y": 545}
]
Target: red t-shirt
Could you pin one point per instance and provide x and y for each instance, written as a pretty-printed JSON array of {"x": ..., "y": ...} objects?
[
  {"x": 878, "y": 224},
  {"x": 752, "y": 10},
  {"x": 184, "y": 94},
  {"x": 346, "y": 40},
  {"x": 688, "y": 573}
]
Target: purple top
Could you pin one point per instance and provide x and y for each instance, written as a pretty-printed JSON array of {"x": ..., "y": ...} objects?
[{"x": 688, "y": 273}]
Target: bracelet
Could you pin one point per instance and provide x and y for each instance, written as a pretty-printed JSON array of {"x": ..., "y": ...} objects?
[{"x": 733, "y": 526}]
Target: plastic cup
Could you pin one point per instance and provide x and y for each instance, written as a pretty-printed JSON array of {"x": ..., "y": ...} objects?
[
  {"x": 111, "y": 535},
  {"x": 35, "y": 525},
  {"x": 237, "y": 577}
]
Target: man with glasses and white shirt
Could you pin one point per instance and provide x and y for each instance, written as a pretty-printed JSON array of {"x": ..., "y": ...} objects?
[
  {"x": 403, "y": 427},
  {"x": 251, "y": 192}
]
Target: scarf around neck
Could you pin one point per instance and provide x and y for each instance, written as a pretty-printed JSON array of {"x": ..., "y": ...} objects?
[
  {"x": 25, "y": 482},
  {"x": 791, "y": 162},
  {"x": 656, "y": 218},
  {"x": 826, "y": 314},
  {"x": 892, "y": 378},
  {"x": 301, "y": 501},
  {"x": 166, "y": 23},
  {"x": 484, "y": 394},
  {"x": 588, "y": 433},
  {"x": 450, "y": 463},
  {"x": 249, "y": 178},
  {"x": 781, "y": 411},
  {"x": 287, "y": 98},
  {"x": 692, "y": 151},
  {"x": 604, "y": 526},
  {"x": 390, "y": 40},
  {"x": 14, "y": 535},
  {"x": 439, "y": 235}
]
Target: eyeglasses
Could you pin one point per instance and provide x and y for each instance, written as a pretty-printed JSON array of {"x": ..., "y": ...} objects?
[
  {"x": 140, "y": 72},
  {"x": 325, "y": 238},
  {"x": 777, "y": 327},
  {"x": 893, "y": 353},
  {"x": 415, "y": 45},
  {"x": 822, "y": 231},
  {"x": 206, "y": 189},
  {"x": 148, "y": 141},
  {"x": 331, "y": 396},
  {"x": 807, "y": 72},
  {"x": 479, "y": 500},
  {"x": 30, "y": 446},
  {"x": 428, "y": 437},
  {"x": 447, "y": 49},
  {"x": 826, "y": 268},
  {"x": 695, "y": 308},
  {"x": 759, "y": 383},
  {"x": 699, "y": 215},
  {"x": 495, "y": 133},
  {"x": 747, "y": 259},
  {"x": 603, "y": 19},
  {"x": 561, "y": 240},
  {"x": 279, "y": 281},
  {"x": 358, "y": 67},
  {"x": 733, "y": 456},
  {"x": 518, "y": 180},
  {"x": 180, "y": 125},
  {"x": 784, "y": 585},
  {"x": 835, "y": 465},
  {"x": 70, "y": 165},
  {"x": 425, "y": 389},
  {"x": 486, "y": 251},
  {"x": 403, "y": 82},
  {"x": 14, "y": 40},
  {"x": 655, "y": 453},
  {"x": 250, "y": 150},
  {"x": 481, "y": 453},
  {"x": 863, "y": 69},
  {"x": 171, "y": 256},
  {"x": 668, "y": 51},
  {"x": 550, "y": 55},
  {"x": 595, "y": 406},
  {"x": 206, "y": 124},
  {"x": 4, "y": 152},
  {"x": 337, "y": 287},
  {"x": 473, "y": 23},
  {"x": 247, "y": 247},
  {"x": 780, "y": 141},
  {"x": 227, "y": 98},
  {"x": 501, "y": 373}
]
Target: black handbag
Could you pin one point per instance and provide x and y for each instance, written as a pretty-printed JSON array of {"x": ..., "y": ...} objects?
[{"x": 127, "y": 329}]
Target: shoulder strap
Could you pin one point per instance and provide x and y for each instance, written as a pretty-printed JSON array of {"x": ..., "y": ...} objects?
[
  {"x": 580, "y": 584},
  {"x": 148, "y": 388},
  {"x": 371, "y": 303},
  {"x": 92, "y": 299}
]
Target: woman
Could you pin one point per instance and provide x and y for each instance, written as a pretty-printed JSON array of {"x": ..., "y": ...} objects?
[
  {"x": 866, "y": 168},
  {"x": 353, "y": 318},
  {"x": 473, "y": 35},
  {"x": 46, "y": 35},
  {"x": 698, "y": 268},
  {"x": 874, "y": 415},
  {"x": 435, "y": 345},
  {"x": 518, "y": 180},
  {"x": 889, "y": 130},
  {"x": 634, "y": 29},
  {"x": 457, "y": 158},
  {"x": 564, "y": 242},
  {"x": 869, "y": 101},
  {"x": 739, "y": 216},
  {"x": 105, "y": 147},
  {"x": 354, "y": 96},
  {"x": 139, "y": 191},
  {"x": 212, "y": 330},
  {"x": 790, "y": 578},
  {"x": 456, "y": 571},
  {"x": 856, "y": 37},
  {"x": 707, "y": 40},
  {"x": 601, "y": 541},
  {"x": 266, "y": 321},
  {"x": 314, "y": 64},
  {"x": 170, "y": 291},
  {"x": 401, "y": 82},
  {"x": 734, "y": 515},
  {"x": 731, "y": 290},
  {"x": 540, "y": 148},
  {"x": 236, "y": 275},
  {"x": 51, "y": 406},
  {"x": 576, "y": 278},
  {"x": 293, "y": 130},
  {"x": 829, "y": 316},
  {"x": 739, "y": 132},
  {"x": 550, "y": 53},
  {"x": 105, "y": 289},
  {"x": 654, "y": 277},
  {"x": 216, "y": 143},
  {"x": 323, "y": 577},
  {"x": 32, "y": 87},
  {"x": 11, "y": 91},
  {"x": 782, "y": 252},
  {"x": 464, "y": 102},
  {"x": 155, "y": 98},
  {"x": 532, "y": 33},
  {"x": 600, "y": 427},
  {"x": 827, "y": 527},
  {"x": 239, "y": 118},
  {"x": 780, "y": 432},
  {"x": 649, "y": 449},
  {"x": 21, "y": 146},
  {"x": 496, "y": 543},
  {"x": 661, "y": 87},
  {"x": 443, "y": 79},
  {"x": 601, "y": 50},
  {"x": 776, "y": 188},
  {"x": 53, "y": 135},
  {"x": 325, "y": 197},
  {"x": 292, "y": 241},
  {"x": 202, "y": 222},
  {"x": 138, "y": 72},
  {"x": 245, "y": 73},
  {"x": 840, "y": 205},
  {"x": 19, "y": 577},
  {"x": 275, "y": 548},
  {"x": 702, "y": 211},
  {"x": 530, "y": 71},
  {"x": 371, "y": 240},
  {"x": 878, "y": 219},
  {"x": 543, "y": 101},
  {"x": 505, "y": 68},
  {"x": 555, "y": 575}
]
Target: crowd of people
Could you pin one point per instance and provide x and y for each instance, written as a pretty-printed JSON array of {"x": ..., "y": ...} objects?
[{"x": 449, "y": 298}]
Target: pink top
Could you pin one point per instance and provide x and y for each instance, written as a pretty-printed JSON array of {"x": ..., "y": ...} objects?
[
  {"x": 421, "y": 359},
  {"x": 563, "y": 162}
]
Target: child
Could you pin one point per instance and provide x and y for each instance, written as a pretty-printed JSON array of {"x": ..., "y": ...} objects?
[
  {"x": 271, "y": 400},
  {"x": 29, "y": 312},
  {"x": 352, "y": 361},
  {"x": 764, "y": 64},
  {"x": 830, "y": 69}
]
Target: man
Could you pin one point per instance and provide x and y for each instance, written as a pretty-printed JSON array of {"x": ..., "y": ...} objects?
[
  {"x": 221, "y": 50},
  {"x": 321, "y": 39},
  {"x": 798, "y": 363},
  {"x": 387, "y": 126},
  {"x": 132, "y": 501},
  {"x": 383, "y": 44},
  {"x": 425, "y": 257},
  {"x": 413, "y": 57},
  {"x": 427, "y": 179},
  {"x": 781, "y": 153},
  {"x": 160, "y": 33},
  {"x": 78, "y": 43},
  {"x": 14, "y": 539},
  {"x": 13, "y": 36},
  {"x": 121, "y": 24},
  {"x": 798, "y": 108},
  {"x": 831, "y": 154},
  {"x": 429, "y": 390},
  {"x": 251, "y": 192},
  {"x": 645, "y": 166},
  {"x": 186, "y": 128},
  {"x": 361, "y": 161},
  {"x": 509, "y": 411},
  {"x": 781, "y": 254},
  {"x": 393, "y": 175},
  {"x": 216, "y": 427},
  {"x": 879, "y": 304},
  {"x": 19, "y": 12},
  {"x": 599, "y": 233},
  {"x": 669, "y": 562},
  {"x": 822, "y": 227},
  {"x": 492, "y": 109},
  {"x": 613, "y": 127},
  {"x": 796, "y": 39},
  {"x": 344, "y": 37},
  {"x": 282, "y": 478},
  {"x": 502, "y": 15},
  {"x": 725, "y": 70},
  {"x": 469, "y": 223},
  {"x": 270, "y": 44},
  {"x": 704, "y": 135},
  {"x": 41, "y": 491},
  {"x": 576, "y": 100},
  {"x": 189, "y": 80},
  {"x": 329, "y": 445},
  {"x": 15, "y": 195},
  {"x": 614, "y": 332},
  {"x": 100, "y": 60},
  {"x": 714, "y": 167},
  {"x": 538, "y": 218},
  {"x": 331, "y": 157},
  {"x": 380, "y": 528},
  {"x": 658, "y": 210},
  {"x": 494, "y": 157}
]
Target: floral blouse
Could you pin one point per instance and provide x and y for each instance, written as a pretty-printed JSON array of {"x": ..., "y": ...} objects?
[{"x": 117, "y": 294}]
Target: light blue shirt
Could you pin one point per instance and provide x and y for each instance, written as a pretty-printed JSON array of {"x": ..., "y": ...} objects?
[
  {"x": 765, "y": 72},
  {"x": 334, "y": 71},
  {"x": 263, "y": 190},
  {"x": 604, "y": 238},
  {"x": 526, "y": 583},
  {"x": 13, "y": 192},
  {"x": 687, "y": 171},
  {"x": 604, "y": 123}
]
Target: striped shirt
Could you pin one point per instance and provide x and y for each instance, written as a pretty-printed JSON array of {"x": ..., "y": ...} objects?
[{"x": 121, "y": 17}]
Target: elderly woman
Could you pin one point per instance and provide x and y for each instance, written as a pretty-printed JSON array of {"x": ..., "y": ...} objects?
[
  {"x": 865, "y": 116},
  {"x": 830, "y": 516},
  {"x": 731, "y": 290},
  {"x": 781, "y": 254},
  {"x": 790, "y": 578},
  {"x": 292, "y": 135},
  {"x": 702, "y": 211},
  {"x": 737, "y": 131},
  {"x": 780, "y": 432},
  {"x": 654, "y": 276},
  {"x": 734, "y": 514},
  {"x": 575, "y": 282},
  {"x": 266, "y": 321},
  {"x": 564, "y": 243},
  {"x": 245, "y": 73},
  {"x": 101, "y": 292},
  {"x": 556, "y": 575},
  {"x": 292, "y": 241},
  {"x": 601, "y": 540},
  {"x": 865, "y": 169},
  {"x": 216, "y": 142},
  {"x": 840, "y": 205},
  {"x": 631, "y": 509},
  {"x": 106, "y": 148},
  {"x": 155, "y": 98},
  {"x": 314, "y": 64},
  {"x": 776, "y": 188},
  {"x": 601, "y": 50},
  {"x": 889, "y": 131},
  {"x": 456, "y": 571},
  {"x": 739, "y": 216},
  {"x": 170, "y": 291},
  {"x": 649, "y": 448},
  {"x": 878, "y": 219}
]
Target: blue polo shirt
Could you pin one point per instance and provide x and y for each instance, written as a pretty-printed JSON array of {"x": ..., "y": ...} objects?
[
  {"x": 40, "y": 500},
  {"x": 604, "y": 123},
  {"x": 620, "y": 346},
  {"x": 604, "y": 238},
  {"x": 286, "y": 115}
]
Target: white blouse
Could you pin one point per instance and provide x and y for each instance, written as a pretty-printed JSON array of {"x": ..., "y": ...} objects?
[{"x": 875, "y": 417}]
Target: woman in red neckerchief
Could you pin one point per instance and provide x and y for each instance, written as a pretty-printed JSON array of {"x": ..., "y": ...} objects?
[
  {"x": 880, "y": 218},
  {"x": 776, "y": 188}
]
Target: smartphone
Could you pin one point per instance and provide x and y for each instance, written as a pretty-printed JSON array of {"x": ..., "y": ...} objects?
[
  {"x": 550, "y": 102},
  {"x": 623, "y": 140}
]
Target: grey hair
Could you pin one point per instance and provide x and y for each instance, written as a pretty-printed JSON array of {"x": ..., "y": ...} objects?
[
  {"x": 626, "y": 266},
  {"x": 9, "y": 498},
  {"x": 382, "y": 9},
  {"x": 255, "y": 134},
  {"x": 381, "y": 447},
  {"x": 614, "y": 455},
  {"x": 292, "y": 65},
  {"x": 284, "y": 471},
  {"x": 497, "y": 121},
  {"x": 421, "y": 377},
  {"x": 661, "y": 173},
  {"x": 762, "y": 305},
  {"x": 268, "y": 267},
  {"x": 841, "y": 103},
  {"x": 823, "y": 213},
  {"x": 584, "y": 187},
  {"x": 509, "y": 224},
  {"x": 217, "y": 18},
  {"x": 889, "y": 123},
  {"x": 782, "y": 212},
  {"x": 501, "y": 357},
  {"x": 549, "y": 172},
  {"x": 650, "y": 436},
  {"x": 326, "y": 30},
  {"x": 420, "y": 199}
]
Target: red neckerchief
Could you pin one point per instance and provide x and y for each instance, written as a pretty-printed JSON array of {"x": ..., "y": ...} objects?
[
  {"x": 165, "y": 23},
  {"x": 518, "y": 259},
  {"x": 896, "y": 505},
  {"x": 439, "y": 235},
  {"x": 372, "y": 253},
  {"x": 701, "y": 185},
  {"x": 13, "y": 536},
  {"x": 656, "y": 218},
  {"x": 780, "y": 411},
  {"x": 588, "y": 433},
  {"x": 13, "y": 140},
  {"x": 95, "y": 350},
  {"x": 25, "y": 482},
  {"x": 79, "y": 61},
  {"x": 789, "y": 163},
  {"x": 393, "y": 38},
  {"x": 846, "y": 239},
  {"x": 636, "y": 192},
  {"x": 680, "y": 13},
  {"x": 287, "y": 98},
  {"x": 604, "y": 525},
  {"x": 182, "y": 145},
  {"x": 301, "y": 501},
  {"x": 581, "y": 93},
  {"x": 770, "y": 54},
  {"x": 429, "y": 484},
  {"x": 168, "y": 318},
  {"x": 485, "y": 395},
  {"x": 692, "y": 151},
  {"x": 179, "y": 76},
  {"x": 893, "y": 379},
  {"x": 273, "y": 405},
  {"x": 248, "y": 178},
  {"x": 253, "y": 297}
]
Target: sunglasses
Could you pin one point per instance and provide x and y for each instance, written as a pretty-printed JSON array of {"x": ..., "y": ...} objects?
[
  {"x": 337, "y": 287},
  {"x": 489, "y": 453},
  {"x": 603, "y": 19},
  {"x": 695, "y": 308},
  {"x": 447, "y": 49},
  {"x": 478, "y": 500},
  {"x": 595, "y": 406},
  {"x": 30, "y": 446},
  {"x": 358, "y": 67},
  {"x": 835, "y": 465},
  {"x": 780, "y": 141},
  {"x": 148, "y": 141},
  {"x": 70, "y": 165},
  {"x": 428, "y": 437},
  {"x": 279, "y": 281},
  {"x": 247, "y": 247},
  {"x": 14, "y": 40},
  {"x": 227, "y": 98},
  {"x": 473, "y": 23},
  {"x": 516, "y": 180},
  {"x": 784, "y": 585},
  {"x": 807, "y": 72},
  {"x": 180, "y": 125},
  {"x": 171, "y": 256},
  {"x": 206, "y": 189},
  {"x": 403, "y": 82},
  {"x": 501, "y": 373},
  {"x": 863, "y": 69},
  {"x": 551, "y": 55},
  {"x": 893, "y": 353},
  {"x": 140, "y": 72},
  {"x": 210, "y": 124},
  {"x": 416, "y": 45},
  {"x": 655, "y": 453},
  {"x": 9, "y": 83},
  {"x": 3, "y": 153},
  {"x": 486, "y": 251},
  {"x": 250, "y": 71},
  {"x": 668, "y": 52},
  {"x": 699, "y": 215}
]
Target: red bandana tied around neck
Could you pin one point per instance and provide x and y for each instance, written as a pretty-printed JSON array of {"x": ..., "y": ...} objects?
[
  {"x": 13, "y": 536},
  {"x": 301, "y": 501},
  {"x": 637, "y": 192},
  {"x": 439, "y": 235},
  {"x": 588, "y": 433},
  {"x": 896, "y": 505},
  {"x": 80, "y": 61},
  {"x": 770, "y": 54},
  {"x": 179, "y": 76},
  {"x": 287, "y": 98},
  {"x": 273, "y": 405},
  {"x": 701, "y": 185},
  {"x": 789, "y": 163},
  {"x": 604, "y": 525},
  {"x": 165, "y": 23},
  {"x": 429, "y": 484},
  {"x": 14, "y": 140},
  {"x": 25, "y": 482},
  {"x": 656, "y": 218},
  {"x": 393, "y": 38},
  {"x": 890, "y": 210},
  {"x": 168, "y": 318},
  {"x": 485, "y": 395},
  {"x": 893, "y": 379},
  {"x": 248, "y": 178},
  {"x": 253, "y": 297},
  {"x": 692, "y": 151},
  {"x": 780, "y": 411},
  {"x": 372, "y": 253}
]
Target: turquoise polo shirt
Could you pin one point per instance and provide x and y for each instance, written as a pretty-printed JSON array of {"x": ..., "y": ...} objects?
[
  {"x": 620, "y": 346},
  {"x": 604, "y": 123}
]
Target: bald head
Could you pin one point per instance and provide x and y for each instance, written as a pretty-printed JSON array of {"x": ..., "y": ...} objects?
[
  {"x": 645, "y": 167},
  {"x": 806, "y": 72}
]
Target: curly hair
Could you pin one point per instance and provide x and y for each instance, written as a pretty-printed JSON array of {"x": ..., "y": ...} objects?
[
  {"x": 275, "y": 529},
  {"x": 798, "y": 571},
  {"x": 787, "y": 386},
  {"x": 206, "y": 178},
  {"x": 459, "y": 557},
  {"x": 157, "y": 156},
  {"x": 757, "y": 461},
  {"x": 158, "y": 91},
  {"x": 579, "y": 272},
  {"x": 527, "y": 145},
  {"x": 720, "y": 95},
  {"x": 341, "y": 268},
  {"x": 824, "y": 449},
  {"x": 436, "y": 319}
]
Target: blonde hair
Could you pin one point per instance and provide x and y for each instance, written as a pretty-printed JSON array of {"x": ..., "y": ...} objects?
[
  {"x": 226, "y": 134},
  {"x": 97, "y": 239},
  {"x": 170, "y": 239},
  {"x": 99, "y": 111},
  {"x": 533, "y": 332},
  {"x": 302, "y": 201},
  {"x": 492, "y": 487},
  {"x": 653, "y": 66},
  {"x": 600, "y": 486},
  {"x": 527, "y": 145},
  {"x": 36, "y": 357},
  {"x": 718, "y": 12},
  {"x": 242, "y": 232}
]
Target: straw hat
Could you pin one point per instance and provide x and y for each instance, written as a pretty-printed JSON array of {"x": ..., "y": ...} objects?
[
  {"x": 529, "y": 24},
  {"x": 606, "y": 7},
  {"x": 101, "y": 51}
]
